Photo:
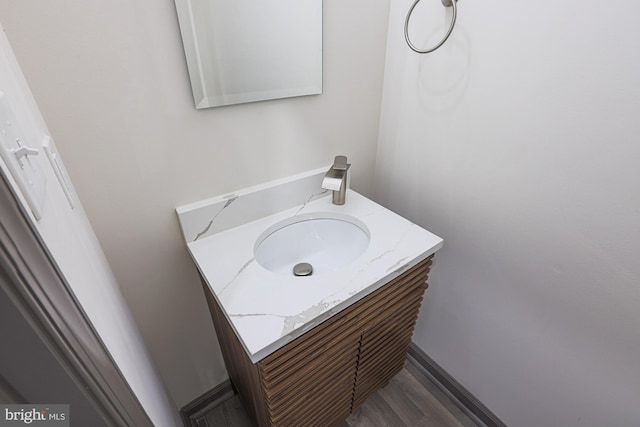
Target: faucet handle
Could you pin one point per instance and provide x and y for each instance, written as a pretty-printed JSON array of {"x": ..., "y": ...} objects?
[{"x": 340, "y": 163}]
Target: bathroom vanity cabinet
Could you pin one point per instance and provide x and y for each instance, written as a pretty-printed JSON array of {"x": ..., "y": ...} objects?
[{"x": 320, "y": 377}]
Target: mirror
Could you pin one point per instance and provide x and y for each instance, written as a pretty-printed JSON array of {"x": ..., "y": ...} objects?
[{"x": 251, "y": 50}]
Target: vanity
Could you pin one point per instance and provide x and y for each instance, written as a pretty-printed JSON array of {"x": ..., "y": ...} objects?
[{"x": 305, "y": 350}]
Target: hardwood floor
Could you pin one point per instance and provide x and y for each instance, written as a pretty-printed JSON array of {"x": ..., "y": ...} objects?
[{"x": 410, "y": 399}]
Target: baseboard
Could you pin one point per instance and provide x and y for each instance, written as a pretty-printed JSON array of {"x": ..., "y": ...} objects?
[
  {"x": 467, "y": 402},
  {"x": 193, "y": 413}
]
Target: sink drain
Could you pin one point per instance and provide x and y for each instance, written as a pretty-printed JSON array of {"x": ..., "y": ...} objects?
[{"x": 303, "y": 269}]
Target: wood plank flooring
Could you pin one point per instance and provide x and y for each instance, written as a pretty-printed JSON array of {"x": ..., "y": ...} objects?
[{"x": 410, "y": 399}]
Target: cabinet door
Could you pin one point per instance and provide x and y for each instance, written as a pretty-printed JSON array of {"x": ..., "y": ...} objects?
[
  {"x": 309, "y": 382},
  {"x": 316, "y": 391}
]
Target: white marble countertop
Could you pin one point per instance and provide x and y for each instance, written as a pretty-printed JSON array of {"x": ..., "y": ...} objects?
[{"x": 268, "y": 310}]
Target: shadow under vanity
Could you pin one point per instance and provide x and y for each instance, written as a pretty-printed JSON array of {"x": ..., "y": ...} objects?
[{"x": 307, "y": 350}]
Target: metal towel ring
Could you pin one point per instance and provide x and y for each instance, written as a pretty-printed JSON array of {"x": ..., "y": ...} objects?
[{"x": 447, "y": 3}]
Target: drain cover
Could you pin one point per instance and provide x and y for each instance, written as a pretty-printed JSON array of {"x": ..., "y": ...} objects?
[{"x": 303, "y": 269}]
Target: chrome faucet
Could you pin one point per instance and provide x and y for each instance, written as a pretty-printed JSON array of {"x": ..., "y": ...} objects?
[{"x": 336, "y": 179}]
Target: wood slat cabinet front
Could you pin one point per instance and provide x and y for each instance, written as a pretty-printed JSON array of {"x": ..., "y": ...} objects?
[{"x": 319, "y": 378}]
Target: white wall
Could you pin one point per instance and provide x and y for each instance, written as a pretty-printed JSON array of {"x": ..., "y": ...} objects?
[
  {"x": 69, "y": 238},
  {"x": 112, "y": 84},
  {"x": 518, "y": 144}
]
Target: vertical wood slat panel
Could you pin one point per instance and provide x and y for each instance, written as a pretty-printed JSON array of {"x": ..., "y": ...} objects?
[{"x": 321, "y": 376}]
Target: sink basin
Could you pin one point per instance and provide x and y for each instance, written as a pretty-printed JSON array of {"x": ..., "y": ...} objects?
[{"x": 326, "y": 241}]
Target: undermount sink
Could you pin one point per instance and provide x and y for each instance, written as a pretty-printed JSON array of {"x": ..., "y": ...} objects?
[{"x": 325, "y": 241}]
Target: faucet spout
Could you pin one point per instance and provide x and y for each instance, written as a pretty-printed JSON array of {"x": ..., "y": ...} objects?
[{"x": 336, "y": 179}]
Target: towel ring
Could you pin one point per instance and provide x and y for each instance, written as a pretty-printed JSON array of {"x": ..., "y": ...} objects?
[{"x": 446, "y": 3}]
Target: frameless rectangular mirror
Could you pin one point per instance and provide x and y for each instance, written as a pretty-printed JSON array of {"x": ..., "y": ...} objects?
[{"x": 251, "y": 50}]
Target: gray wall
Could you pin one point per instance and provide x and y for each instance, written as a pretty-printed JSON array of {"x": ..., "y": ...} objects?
[{"x": 518, "y": 144}]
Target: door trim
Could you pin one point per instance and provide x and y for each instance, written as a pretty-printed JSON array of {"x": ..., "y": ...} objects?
[{"x": 32, "y": 280}]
